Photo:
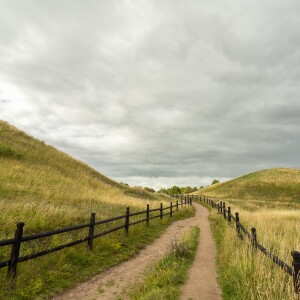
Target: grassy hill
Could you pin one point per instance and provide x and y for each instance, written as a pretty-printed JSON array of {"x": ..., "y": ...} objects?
[
  {"x": 279, "y": 184},
  {"x": 269, "y": 201},
  {"x": 47, "y": 189}
]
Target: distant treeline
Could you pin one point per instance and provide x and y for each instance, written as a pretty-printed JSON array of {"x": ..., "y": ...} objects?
[{"x": 174, "y": 189}]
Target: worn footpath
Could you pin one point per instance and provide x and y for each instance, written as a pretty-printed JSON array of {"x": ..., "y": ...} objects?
[{"x": 115, "y": 283}]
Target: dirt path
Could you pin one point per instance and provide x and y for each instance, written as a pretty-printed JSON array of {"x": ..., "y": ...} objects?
[
  {"x": 202, "y": 278},
  {"x": 113, "y": 283}
]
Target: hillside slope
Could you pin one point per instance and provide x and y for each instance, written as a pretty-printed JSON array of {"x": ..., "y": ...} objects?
[
  {"x": 46, "y": 188},
  {"x": 279, "y": 184}
]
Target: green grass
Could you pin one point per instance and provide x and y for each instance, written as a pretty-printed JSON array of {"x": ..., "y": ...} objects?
[
  {"x": 248, "y": 274},
  {"x": 269, "y": 201},
  {"x": 42, "y": 277},
  {"x": 165, "y": 278},
  {"x": 271, "y": 185},
  {"x": 47, "y": 189}
]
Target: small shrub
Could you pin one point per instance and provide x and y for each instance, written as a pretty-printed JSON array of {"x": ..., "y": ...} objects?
[
  {"x": 7, "y": 152},
  {"x": 215, "y": 181}
]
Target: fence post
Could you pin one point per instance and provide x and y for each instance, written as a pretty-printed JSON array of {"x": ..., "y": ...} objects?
[
  {"x": 171, "y": 210},
  {"x": 181, "y": 201},
  {"x": 161, "y": 211},
  {"x": 147, "y": 215},
  {"x": 253, "y": 238},
  {"x": 177, "y": 205},
  {"x": 224, "y": 210},
  {"x": 229, "y": 214},
  {"x": 184, "y": 200},
  {"x": 221, "y": 206},
  {"x": 296, "y": 273},
  {"x": 237, "y": 221},
  {"x": 191, "y": 203},
  {"x": 15, "y": 251},
  {"x": 127, "y": 219},
  {"x": 91, "y": 230}
]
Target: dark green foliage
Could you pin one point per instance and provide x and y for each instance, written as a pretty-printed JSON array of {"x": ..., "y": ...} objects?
[
  {"x": 7, "y": 152},
  {"x": 188, "y": 190},
  {"x": 215, "y": 181},
  {"x": 178, "y": 190}
]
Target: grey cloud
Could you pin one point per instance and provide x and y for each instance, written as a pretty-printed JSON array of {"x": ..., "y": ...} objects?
[{"x": 165, "y": 90}]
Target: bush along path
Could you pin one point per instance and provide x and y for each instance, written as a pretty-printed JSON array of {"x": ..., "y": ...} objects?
[{"x": 115, "y": 283}]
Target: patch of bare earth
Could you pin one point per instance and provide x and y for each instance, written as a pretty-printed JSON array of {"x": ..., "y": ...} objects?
[
  {"x": 202, "y": 277},
  {"x": 115, "y": 283}
]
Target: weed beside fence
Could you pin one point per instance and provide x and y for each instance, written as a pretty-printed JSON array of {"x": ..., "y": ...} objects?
[
  {"x": 243, "y": 234},
  {"x": 16, "y": 242}
]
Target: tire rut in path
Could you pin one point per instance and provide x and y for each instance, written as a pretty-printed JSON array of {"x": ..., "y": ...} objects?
[{"x": 113, "y": 283}]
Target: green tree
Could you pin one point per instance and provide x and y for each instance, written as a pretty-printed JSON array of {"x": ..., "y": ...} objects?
[
  {"x": 215, "y": 181},
  {"x": 187, "y": 190},
  {"x": 174, "y": 190}
]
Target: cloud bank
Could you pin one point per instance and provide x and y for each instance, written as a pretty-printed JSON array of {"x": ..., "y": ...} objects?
[{"x": 156, "y": 92}]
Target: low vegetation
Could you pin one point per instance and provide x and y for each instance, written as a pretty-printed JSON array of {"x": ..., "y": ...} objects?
[
  {"x": 248, "y": 274},
  {"x": 165, "y": 278},
  {"x": 178, "y": 190},
  {"x": 281, "y": 184},
  {"x": 267, "y": 200},
  {"x": 53, "y": 273},
  {"x": 47, "y": 189}
]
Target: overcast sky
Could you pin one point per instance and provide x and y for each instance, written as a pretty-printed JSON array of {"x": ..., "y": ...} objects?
[{"x": 156, "y": 92}]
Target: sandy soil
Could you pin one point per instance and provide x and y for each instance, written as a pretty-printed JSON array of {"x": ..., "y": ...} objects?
[
  {"x": 202, "y": 278},
  {"x": 113, "y": 284}
]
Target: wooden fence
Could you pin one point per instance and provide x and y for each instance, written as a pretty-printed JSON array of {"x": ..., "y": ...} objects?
[
  {"x": 19, "y": 238},
  {"x": 242, "y": 232}
]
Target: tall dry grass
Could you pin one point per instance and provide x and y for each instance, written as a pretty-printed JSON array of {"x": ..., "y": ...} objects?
[
  {"x": 248, "y": 274},
  {"x": 47, "y": 189},
  {"x": 279, "y": 184}
]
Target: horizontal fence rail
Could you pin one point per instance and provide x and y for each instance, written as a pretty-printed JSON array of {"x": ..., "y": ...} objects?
[
  {"x": 242, "y": 232},
  {"x": 19, "y": 238}
]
